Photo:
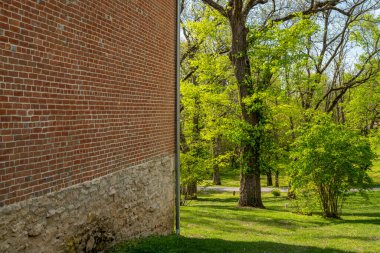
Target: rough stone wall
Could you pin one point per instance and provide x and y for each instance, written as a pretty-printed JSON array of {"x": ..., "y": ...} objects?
[{"x": 89, "y": 217}]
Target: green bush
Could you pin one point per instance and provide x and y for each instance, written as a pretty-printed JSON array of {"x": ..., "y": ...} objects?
[
  {"x": 276, "y": 192},
  {"x": 328, "y": 160}
]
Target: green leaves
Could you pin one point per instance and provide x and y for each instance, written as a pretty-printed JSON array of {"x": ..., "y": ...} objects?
[
  {"x": 295, "y": 74},
  {"x": 209, "y": 99},
  {"x": 330, "y": 159},
  {"x": 363, "y": 107},
  {"x": 276, "y": 46}
]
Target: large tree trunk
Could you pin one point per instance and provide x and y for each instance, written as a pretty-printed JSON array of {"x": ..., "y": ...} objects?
[
  {"x": 246, "y": 188},
  {"x": 236, "y": 11},
  {"x": 248, "y": 196},
  {"x": 250, "y": 189}
]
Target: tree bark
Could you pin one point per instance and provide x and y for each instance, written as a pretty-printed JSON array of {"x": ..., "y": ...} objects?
[
  {"x": 269, "y": 178},
  {"x": 291, "y": 193},
  {"x": 248, "y": 196},
  {"x": 277, "y": 179},
  {"x": 250, "y": 189},
  {"x": 217, "y": 150},
  {"x": 191, "y": 188},
  {"x": 216, "y": 176},
  {"x": 191, "y": 191}
]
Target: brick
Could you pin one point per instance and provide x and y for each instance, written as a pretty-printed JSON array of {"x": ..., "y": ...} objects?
[{"x": 86, "y": 89}]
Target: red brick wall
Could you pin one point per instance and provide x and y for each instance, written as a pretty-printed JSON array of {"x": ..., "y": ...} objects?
[{"x": 87, "y": 88}]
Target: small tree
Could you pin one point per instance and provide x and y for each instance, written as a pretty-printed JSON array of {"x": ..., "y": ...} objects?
[{"x": 329, "y": 160}]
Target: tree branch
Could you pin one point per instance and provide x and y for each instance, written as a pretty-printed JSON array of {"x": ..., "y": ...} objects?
[
  {"x": 190, "y": 74},
  {"x": 216, "y": 6},
  {"x": 351, "y": 83},
  {"x": 192, "y": 50},
  {"x": 315, "y": 7},
  {"x": 250, "y": 4}
]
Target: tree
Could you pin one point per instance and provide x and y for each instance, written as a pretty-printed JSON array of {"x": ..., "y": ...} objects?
[
  {"x": 363, "y": 107},
  {"x": 329, "y": 160},
  {"x": 272, "y": 51},
  {"x": 192, "y": 149},
  {"x": 332, "y": 49},
  {"x": 207, "y": 92},
  {"x": 342, "y": 55},
  {"x": 236, "y": 12}
]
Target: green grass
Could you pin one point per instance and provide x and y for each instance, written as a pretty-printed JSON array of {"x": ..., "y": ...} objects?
[
  {"x": 214, "y": 223},
  {"x": 231, "y": 178},
  {"x": 375, "y": 170}
]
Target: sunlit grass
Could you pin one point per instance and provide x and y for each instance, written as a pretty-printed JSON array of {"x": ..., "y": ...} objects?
[
  {"x": 214, "y": 223},
  {"x": 231, "y": 178},
  {"x": 375, "y": 170}
]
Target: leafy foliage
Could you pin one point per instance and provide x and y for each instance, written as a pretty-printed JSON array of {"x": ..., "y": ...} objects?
[
  {"x": 330, "y": 160},
  {"x": 208, "y": 92},
  {"x": 292, "y": 72},
  {"x": 276, "y": 192}
]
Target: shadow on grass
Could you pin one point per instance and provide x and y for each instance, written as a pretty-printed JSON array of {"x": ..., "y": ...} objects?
[
  {"x": 360, "y": 221},
  {"x": 230, "y": 217},
  {"x": 225, "y": 204},
  {"x": 218, "y": 200},
  {"x": 233, "y": 224},
  {"x": 361, "y": 238},
  {"x": 363, "y": 214},
  {"x": 286, "y": 222},
  {"x": 174, "y": 244}
]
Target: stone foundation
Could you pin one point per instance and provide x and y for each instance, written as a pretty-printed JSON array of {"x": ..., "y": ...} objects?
[{"x": 92, "y": 216}]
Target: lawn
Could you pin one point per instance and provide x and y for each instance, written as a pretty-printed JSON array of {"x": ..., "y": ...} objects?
[
  {"x": 231, "y": 178},
  {"x": 375, "y": 170},
  {"x": 214, "y": 223}
]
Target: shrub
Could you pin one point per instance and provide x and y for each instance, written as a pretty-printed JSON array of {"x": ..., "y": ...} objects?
[
  {"x": 329, "y": 160},
  {"x": 276, "y": 192}
]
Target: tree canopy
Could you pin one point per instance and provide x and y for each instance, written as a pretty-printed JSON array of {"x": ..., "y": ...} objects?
[{"x": 257, "y": 77}]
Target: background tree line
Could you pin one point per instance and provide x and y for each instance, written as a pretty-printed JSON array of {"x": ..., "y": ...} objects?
[{"x": 280, "y": 87}]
